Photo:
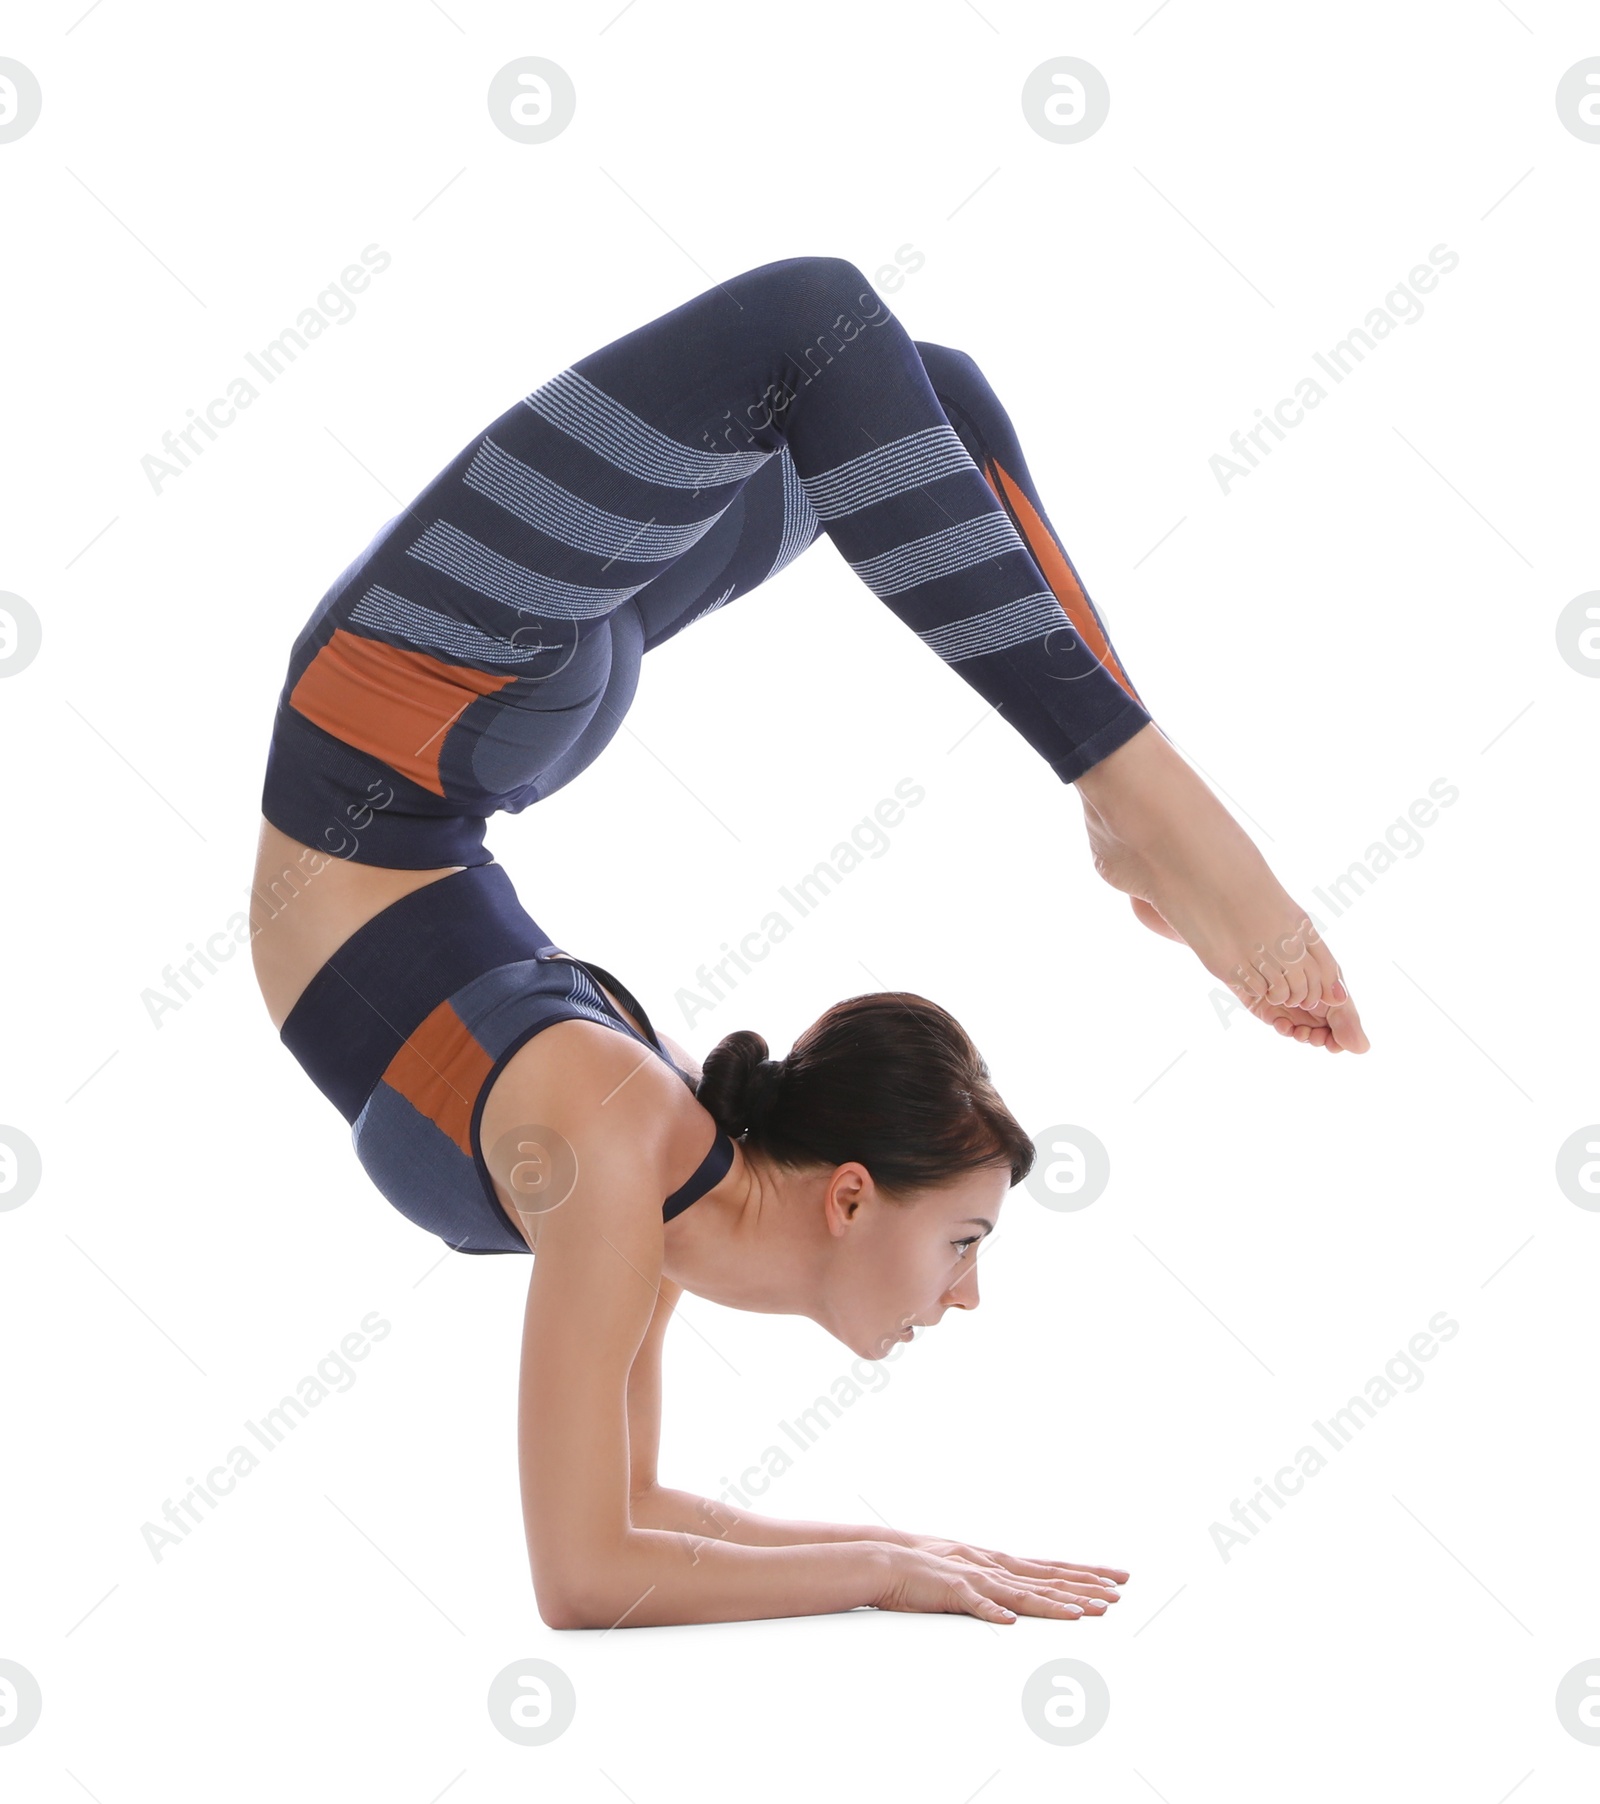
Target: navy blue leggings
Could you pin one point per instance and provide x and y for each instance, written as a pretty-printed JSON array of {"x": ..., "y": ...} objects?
[{"x": 486, "y": 645}]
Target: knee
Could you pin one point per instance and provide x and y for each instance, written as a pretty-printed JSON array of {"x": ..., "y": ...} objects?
[
  {"x": 832, "y": 273},
  {"x": 951, "y": 372},
  {"x": 807, "y": 288}
]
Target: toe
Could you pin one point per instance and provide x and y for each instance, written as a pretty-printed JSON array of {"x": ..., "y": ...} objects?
[
  {"x": 1311, "y": 975},
  {"x": 1276, "y": 984},
  {"x": 1328, "y": 986},
  {"x": 1347, "y": 1028},
  {"x": 1246, "y": 983}
]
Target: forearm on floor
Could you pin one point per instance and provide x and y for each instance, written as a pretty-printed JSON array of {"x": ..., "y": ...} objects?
[
  {"x": 663, "y": 1508},
  {"x": 658, "y": 1577}
]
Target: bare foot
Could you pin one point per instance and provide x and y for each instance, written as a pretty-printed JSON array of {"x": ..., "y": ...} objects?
[{"x": 1194, "y": 875}]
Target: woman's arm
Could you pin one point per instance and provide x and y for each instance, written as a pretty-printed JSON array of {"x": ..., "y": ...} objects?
[
  {"x": 662, "y": 1507},
  {"x": 653, "y": 1505},
  {"x": 591, "y": 1300},
  {"x": 595, "y": 1291}
]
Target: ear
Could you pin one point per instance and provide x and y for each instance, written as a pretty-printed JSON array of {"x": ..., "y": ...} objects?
[{"x": 849, "y": 1187}]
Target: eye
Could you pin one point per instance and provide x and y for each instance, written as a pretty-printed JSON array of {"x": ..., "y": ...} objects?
[{"x": 965, "y": 1245}]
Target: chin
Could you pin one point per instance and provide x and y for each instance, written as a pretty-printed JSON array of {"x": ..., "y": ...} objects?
[{"x": 856, "y": 1345}]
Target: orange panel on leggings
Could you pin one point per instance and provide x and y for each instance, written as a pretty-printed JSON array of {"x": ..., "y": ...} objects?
[
  {"x": 397, "y": 705},
  {"x": 1057, "y": 571}
]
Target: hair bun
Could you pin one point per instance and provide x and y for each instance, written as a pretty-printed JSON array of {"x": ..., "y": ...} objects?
[
  {"x": 738, "y": 1082},
  {"x": 761, "y": 1088}
]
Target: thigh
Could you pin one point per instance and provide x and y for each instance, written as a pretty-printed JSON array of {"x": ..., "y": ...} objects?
[
  {"x": 538, "y": 739},
  {"x": 764, "y": 529},
  {"x": 476, "y": 662},
  {"x": 550, "y": 734},
  {"x": 766, "y": 526}
]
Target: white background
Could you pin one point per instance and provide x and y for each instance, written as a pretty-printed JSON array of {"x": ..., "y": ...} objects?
[{"x": 1374, "y": 608}]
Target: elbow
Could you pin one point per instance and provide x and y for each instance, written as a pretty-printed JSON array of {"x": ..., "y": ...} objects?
[
  {"x": 572, "y": 1600},
  {"x": 579, "y": 1610},
  {"x": 563, "y": 1611},
  {"x": 600, "y": 1586}
]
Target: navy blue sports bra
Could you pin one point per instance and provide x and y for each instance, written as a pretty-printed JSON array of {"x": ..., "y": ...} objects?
[{"x": 408, "y": 1024}]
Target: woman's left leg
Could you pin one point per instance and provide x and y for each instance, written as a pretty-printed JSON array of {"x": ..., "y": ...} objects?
[
  {"x": 475, "y": 655},
  {"x": 772, "y": 523}
]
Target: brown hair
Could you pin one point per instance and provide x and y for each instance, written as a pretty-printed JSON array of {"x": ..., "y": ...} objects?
[{"x": 889, "y": 1079}]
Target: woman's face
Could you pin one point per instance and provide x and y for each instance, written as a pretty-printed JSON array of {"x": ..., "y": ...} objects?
[{"x": 900, "y": 1265}]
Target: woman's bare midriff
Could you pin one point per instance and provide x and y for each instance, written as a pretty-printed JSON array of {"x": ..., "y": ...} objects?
[{"x": 304, "y": 905}]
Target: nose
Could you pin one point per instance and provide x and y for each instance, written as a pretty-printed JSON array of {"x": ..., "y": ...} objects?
[{"x": 963, "y": 1293}]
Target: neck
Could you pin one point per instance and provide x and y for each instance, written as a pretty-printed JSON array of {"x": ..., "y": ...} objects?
[{"x": 745, "y": 1244}]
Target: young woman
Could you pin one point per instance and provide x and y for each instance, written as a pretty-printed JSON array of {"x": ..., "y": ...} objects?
[{"x": 510, "y": 1097}]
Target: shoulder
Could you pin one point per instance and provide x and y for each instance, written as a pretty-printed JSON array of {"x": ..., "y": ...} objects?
[{"x": 609, "y": 1108}]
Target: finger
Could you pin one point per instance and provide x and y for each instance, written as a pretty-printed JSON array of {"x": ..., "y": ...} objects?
[
  {"x": 1081, "y": 1587},
  {"x": 1026, "y": 1601},
  {"x": 1066, "y": 1569},
  {"x": 1088, "y": 1582},
  {"x": 974, "y": 1603},
  {"x": 1101, "y": 1593},
  {"x": 1087, "y": 1586},
  {"x": 1093, "y": 1594},
  {"x": 1092, "y": 1604},
  {"x": 1063, "y": 1569}
]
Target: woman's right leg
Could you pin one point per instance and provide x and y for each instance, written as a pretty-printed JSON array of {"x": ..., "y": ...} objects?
[{"x": 1156, "y": 830}]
